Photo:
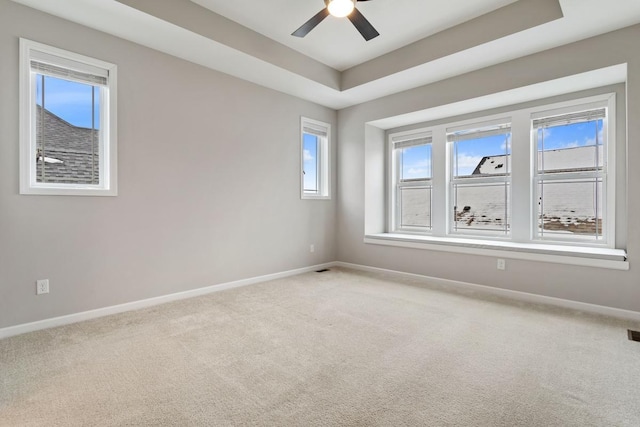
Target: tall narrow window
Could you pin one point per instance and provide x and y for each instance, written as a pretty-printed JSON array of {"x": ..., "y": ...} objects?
[
  {"x": 310, "y": 143},
  {"x": 315, "y": 159},
  {"x": 412, "y": 176},
  {"x": 481, "y": 179},
  {"x": 570, "y": 175},
  {"x": 67, "y": 123}
]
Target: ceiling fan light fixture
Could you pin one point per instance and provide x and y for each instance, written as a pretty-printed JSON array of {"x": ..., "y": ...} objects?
[{"x": 340, "y": 8}]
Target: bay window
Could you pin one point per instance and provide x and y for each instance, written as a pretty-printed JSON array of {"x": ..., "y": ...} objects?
[{"x": 454, "y": 183}]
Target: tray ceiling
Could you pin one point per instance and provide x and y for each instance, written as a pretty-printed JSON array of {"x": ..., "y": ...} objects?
[{"x": 421, "y": 41}]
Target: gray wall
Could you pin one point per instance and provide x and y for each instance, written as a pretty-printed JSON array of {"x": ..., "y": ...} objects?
[
  {"x": 620, "y": 289},
  {"x": 208, "y": 185}
]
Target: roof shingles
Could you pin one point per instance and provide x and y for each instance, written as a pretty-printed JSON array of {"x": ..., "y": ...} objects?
[{"x": 75, "y": 147}]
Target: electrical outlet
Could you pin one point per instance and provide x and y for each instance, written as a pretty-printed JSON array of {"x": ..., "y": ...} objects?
[
  {"x": 312, "y": 248},
  {"x": 502, "y": 264},
  {"x": 42, "y": 286}
]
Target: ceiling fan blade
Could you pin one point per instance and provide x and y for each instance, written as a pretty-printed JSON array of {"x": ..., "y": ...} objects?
[
  {"x": 311, "y": 23},
  {"x": 362, "y": 25}
]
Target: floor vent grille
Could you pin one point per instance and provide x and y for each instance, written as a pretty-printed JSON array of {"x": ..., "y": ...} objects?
[{"x": 634, "y": 335}]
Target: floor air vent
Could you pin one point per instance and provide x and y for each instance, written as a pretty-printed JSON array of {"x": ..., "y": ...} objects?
[
  {"x": 634, "y": 335},
  {"x": 322, "y": 271}
]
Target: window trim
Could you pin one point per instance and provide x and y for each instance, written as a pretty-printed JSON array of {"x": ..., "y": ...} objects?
[
  {"x": 521, "y": 239},
  {"x": 108, "y": 117},
  {"x": 323, "y": 161}
]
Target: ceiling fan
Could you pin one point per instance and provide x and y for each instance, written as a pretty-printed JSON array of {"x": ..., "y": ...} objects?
[{"x": 340, "y": 9}]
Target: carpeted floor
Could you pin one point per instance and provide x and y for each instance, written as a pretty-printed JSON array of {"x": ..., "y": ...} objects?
[{"x": 322, "y": 349}]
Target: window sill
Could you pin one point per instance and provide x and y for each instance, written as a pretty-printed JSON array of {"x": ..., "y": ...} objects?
[
  {"x": 615, "y": 259},
  {"x": 68, "y": 191}
]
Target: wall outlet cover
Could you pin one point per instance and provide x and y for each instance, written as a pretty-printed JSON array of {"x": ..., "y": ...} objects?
[{"x": 42, "y": 286}]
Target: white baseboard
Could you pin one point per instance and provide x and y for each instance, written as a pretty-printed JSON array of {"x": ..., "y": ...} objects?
[
  {"x": 451, "y": 284},
  {"x": 507, "y": 293},
  {"x": 135, "y": 305}
]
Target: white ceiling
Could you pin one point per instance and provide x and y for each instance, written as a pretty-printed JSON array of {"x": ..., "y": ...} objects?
[
  {"x": 335, "y": 41},
  {"x": 264, "y": 52}
]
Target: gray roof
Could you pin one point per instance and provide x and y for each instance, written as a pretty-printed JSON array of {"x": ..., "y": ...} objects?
[
  {"x": 572, "y": 159},
  {"x": 68, "y": 153}
]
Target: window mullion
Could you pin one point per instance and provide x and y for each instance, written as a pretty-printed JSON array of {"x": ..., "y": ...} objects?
[
  {"x": 564, "y": 176},
  {"x": 481, "y": 179},
  {"x": 521, "y": 170},
  {"x": 415, "y": 183},
  {"x": 440, "y": 182}
]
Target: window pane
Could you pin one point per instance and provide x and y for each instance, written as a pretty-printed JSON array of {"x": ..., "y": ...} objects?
[
  {"x": 481, "y": 207},
  {"x": 311, "y": 163},
  {"x": 571, "y": 148},
  {"x": 485, "y": 156},
  {"x": 415, "y": 207},
  {"x": 415, "y": 162},
  {"x": 67, "y": 131},
  {"x": 571, "y": 207}
]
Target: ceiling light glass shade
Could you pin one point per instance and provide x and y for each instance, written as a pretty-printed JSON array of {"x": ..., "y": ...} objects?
[{"x": 340, "y": 8}]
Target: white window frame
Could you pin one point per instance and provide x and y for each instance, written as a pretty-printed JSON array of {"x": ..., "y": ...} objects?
[
  {"x": 398, "y": 141},
  {"x": 523, "y": 236},
  {"x": 322, "y": 131},
  {"x": 107, "y": 186},
  {"x": 608, "y": 179}
]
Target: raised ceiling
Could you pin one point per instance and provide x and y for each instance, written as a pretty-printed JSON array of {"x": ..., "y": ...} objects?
[
  {"x": 335, "y": 42},
  {"x": 421, "y": 41}
]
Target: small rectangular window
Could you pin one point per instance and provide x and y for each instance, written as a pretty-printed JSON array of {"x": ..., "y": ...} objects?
[
  {"x": 412, "y": 176},
  {"x": 571, "y": 178},
  {"x": 481, "y": 179},
  {"x": 68, "y": 133},
  {"x": 315, "y": 159}
]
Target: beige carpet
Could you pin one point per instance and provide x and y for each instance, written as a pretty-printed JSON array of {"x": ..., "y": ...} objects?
[{"x": 321, "y": 349}]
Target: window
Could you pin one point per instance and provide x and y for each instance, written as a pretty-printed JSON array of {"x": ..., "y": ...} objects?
[
  {"x": 481, "y": 178},
  {"x": 460, "y": 180},
  {"x": 68, "y": 123},
  {"x": 571, "y": 175},
  {"x": 315, "y": 159},
  {"x": 412, "y": 189}
]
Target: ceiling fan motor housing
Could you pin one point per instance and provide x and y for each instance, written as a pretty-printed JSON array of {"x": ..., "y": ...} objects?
[{"x": 361, "y": 23}]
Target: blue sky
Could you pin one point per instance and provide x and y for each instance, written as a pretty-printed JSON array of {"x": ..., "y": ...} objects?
[
  {"x": 310, "y": 153},
  {"x": 573, "y": 135},
  {"x": 416, "y": 161},
  {"x": 68, "y": 100}
]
